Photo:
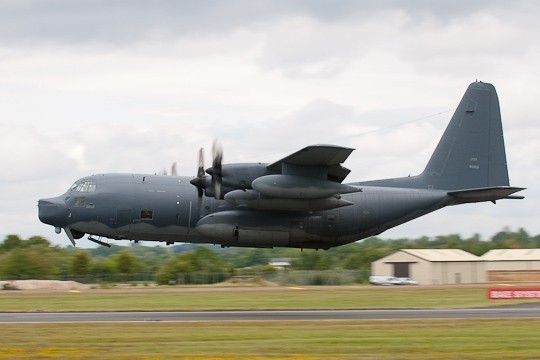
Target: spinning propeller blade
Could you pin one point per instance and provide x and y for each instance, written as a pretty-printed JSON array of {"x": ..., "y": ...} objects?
[
  {"x": 216, "y": 170},
  {"x": 200, "y": 181}
]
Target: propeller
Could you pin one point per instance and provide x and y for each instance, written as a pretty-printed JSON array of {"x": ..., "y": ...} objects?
[
  {"x": 216, "y": 170},
  {"x": 200, "y": 180},
  {"x": 174, "y": 170}
]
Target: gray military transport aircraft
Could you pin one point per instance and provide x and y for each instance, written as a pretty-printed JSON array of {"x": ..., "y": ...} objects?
[{"x": 299, "y": 201}]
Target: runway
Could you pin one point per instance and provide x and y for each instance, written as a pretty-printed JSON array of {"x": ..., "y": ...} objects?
[{"x": 269, "y": 315}]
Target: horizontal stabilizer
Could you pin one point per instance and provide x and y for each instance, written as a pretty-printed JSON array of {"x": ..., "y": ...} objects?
[{"x": 486, "y": 194}]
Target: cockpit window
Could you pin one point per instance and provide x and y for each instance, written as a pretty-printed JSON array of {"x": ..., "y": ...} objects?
[{"x": 84, "y": 186}]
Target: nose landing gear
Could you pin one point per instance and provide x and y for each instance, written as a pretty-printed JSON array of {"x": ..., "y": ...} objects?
[{"x": 71, "y": 234}]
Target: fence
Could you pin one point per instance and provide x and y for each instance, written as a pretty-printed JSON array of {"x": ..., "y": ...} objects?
[
  {"x": 319, "y": 277},
  {"x": 90, "y": 278},
  {"x": 281, "y": 277}
]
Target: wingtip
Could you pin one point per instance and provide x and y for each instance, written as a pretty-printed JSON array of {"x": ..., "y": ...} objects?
[{"x": 332, "y": 146}]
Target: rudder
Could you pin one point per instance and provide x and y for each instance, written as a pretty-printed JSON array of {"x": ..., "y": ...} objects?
[{"x": 471, "y": 151}]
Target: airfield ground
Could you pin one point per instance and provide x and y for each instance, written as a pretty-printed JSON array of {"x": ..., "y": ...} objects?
[
  {"x": 247, "y": 298},
  {"x": 382, "y": 339},
  {"x": 515, "y": 338}
]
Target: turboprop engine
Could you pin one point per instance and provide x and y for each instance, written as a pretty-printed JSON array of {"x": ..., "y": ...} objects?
[
  {"x": 309, "y": 180},
  {"x": 291, "y": 193},
  {"x": 299, "y": 187},
  {"x": 254, "y": 200}
]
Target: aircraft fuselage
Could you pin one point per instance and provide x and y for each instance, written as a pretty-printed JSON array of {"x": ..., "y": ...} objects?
[{"x": 166, "y": 208}]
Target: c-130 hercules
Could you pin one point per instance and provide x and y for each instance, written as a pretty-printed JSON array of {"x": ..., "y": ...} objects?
[{"x": 298, "y": 201}]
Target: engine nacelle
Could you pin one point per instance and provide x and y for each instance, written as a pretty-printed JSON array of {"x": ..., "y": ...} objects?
[
  {"x": 253, "y": 200},
  {"x": 299, "y": 187},
  {"x": 240, "y": 176}
]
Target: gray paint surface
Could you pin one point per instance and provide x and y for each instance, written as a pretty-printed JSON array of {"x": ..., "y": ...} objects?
[{"x": 301, "y": 201}]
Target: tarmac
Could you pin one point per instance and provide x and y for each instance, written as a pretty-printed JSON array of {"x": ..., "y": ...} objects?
[{"x": 530, "y": 311}]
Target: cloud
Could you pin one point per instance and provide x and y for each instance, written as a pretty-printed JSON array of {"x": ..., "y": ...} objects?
[
  {"x": 121, "y": 24},
  {"x": 91, "y": 87},
  {"x": 28, "y": 155}
]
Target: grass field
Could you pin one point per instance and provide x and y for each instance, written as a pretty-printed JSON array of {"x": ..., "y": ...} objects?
[
  {"x": 225, "y": 298},
  {"x": 410, "y": 339}
]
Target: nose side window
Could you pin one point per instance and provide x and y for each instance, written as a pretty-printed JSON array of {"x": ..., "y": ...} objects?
[{"x": 79, "y": 201}]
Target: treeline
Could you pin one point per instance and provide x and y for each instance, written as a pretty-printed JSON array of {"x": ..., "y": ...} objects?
[{"x": 37, "y": 258}]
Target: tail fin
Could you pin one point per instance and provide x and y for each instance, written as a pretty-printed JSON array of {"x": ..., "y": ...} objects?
[{"x": 471, "y": 151}]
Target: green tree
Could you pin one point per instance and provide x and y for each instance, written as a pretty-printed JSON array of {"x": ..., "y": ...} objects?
[
  {"x": 126, "y": 263},
  {"x": 37, "y": 241},
  {"x": 313, "y": 260},
  {"x": 102, "y": 269},
  {"x": 11, "y": 242},
  {"x": 25, "y": 263},
  {"x": 201, "y": 260},
  {"x": 80, "y": 263}
]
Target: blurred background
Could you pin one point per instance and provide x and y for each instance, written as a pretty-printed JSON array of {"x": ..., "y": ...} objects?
[{"x": 187, "y": 264}]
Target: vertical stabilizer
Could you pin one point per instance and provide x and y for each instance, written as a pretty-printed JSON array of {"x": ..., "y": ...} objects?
[{"x": 471, "y": 151}]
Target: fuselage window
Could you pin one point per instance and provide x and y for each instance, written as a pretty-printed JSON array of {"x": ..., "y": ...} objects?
[
  {"x": 147, "y": 214},
  {"x": 79, "y": 202}
]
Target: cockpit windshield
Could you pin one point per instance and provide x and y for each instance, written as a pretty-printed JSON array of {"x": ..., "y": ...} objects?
[{"x": 83, "y": 186}]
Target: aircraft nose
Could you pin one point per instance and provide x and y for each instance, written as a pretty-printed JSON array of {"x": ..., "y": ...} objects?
[{"x": 53, "y": 211}]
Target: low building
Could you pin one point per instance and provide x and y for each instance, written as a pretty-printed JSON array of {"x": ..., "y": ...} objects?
[
  {"x": 432, "y": 266},
  {"x": 512, "y": 265}
]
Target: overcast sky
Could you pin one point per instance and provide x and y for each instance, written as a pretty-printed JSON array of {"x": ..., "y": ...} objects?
[{"x": 113, "y": 86}]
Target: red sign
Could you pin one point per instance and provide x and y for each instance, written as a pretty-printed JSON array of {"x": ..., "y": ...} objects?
[{"x": 513, "y": 293}]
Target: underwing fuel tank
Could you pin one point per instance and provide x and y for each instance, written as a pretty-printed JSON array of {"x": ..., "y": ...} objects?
[
  {"x": 253, "y": 200},
  {"x": 299, "y": 187}
]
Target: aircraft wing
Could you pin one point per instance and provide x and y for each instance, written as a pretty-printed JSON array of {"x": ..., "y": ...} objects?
[{"x": 326, "y": 158}]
